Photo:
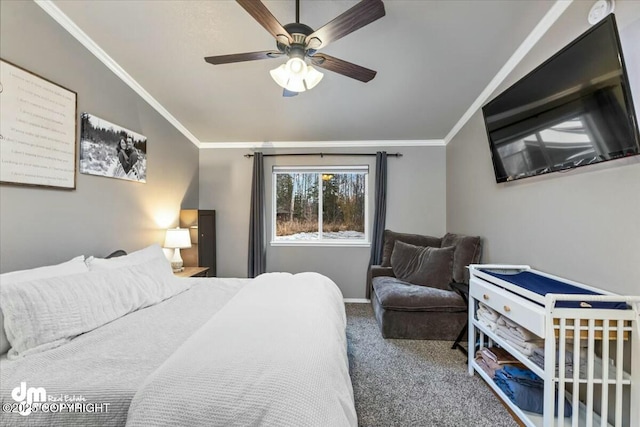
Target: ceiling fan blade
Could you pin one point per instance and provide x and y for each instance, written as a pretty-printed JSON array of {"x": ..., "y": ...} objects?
[
  {"x": 241, "y": 57},
  {"x": 342, "y": 67},
  {"x": 288, "y": 93},
  {"x": 260, "y": 13},
  {"x": 353, "y": 19}
]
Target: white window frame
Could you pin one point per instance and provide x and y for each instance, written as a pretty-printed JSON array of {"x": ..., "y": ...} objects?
[{"x": 320, "y": 170}]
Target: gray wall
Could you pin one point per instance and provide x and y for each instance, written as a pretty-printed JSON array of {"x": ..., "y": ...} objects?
[
  {"x": 43, "y": 226},
  {"x": 583, "y": 224},
  {"x": 415, "y": 204}
]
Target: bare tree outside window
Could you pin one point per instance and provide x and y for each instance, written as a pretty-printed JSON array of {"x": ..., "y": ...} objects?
[
  {"x": 343, "y": 205},
  {"x": 320, "y": 205}
]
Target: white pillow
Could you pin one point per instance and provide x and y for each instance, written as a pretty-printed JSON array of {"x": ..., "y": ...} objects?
[
  {"x": 73, "y": 266},
  {"x": 134, "y": 258},
  {"x": 45, "y": 313}
]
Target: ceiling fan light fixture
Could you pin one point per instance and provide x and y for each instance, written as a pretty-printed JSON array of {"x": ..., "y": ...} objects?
[
  {"x": 296, "y": 67},
  {"x": 300, "y": 43},
  {"x": 280, "y": 75},
  {"x": 312, "y": 78},
  {"x": 295, "y": 85},
  {"x": 296, "y": 75}
]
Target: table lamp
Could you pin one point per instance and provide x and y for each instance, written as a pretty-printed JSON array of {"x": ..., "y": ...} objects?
[{"x": 177, "y": 238}]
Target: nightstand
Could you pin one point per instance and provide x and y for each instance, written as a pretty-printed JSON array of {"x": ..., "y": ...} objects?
[{"x": 193, "y": 272}]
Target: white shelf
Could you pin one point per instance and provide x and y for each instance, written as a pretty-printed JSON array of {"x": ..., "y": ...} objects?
[
  {"x": 529, "y": 418},
  {"x": 504, "y": 344},
  {"x": 597, "y": 372},
  {"x": 591, "y": 323}
]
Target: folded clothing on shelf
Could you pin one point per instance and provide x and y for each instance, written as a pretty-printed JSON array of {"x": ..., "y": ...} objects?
[
  {"x": 516, "y": 330},
  {"x": 487, "y": 324},
  {"x": 498, "y": 355},
  {"x": 487, "y": 316},
  {"x": 490, "y": 359},
  {"x": 523, "y": 347},
  {"x": 488, "y": 368},
  {"x": 525, "y": 389},
  {"x": 518, "y": 337},
  {"x": 538, "y": 358}
]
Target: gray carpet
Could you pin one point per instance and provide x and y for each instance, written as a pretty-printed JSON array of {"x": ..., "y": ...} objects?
[{"x": 414, "y": 383}]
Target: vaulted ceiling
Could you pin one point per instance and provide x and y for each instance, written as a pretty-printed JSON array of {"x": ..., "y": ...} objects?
[{"x": 433, "y": 59}]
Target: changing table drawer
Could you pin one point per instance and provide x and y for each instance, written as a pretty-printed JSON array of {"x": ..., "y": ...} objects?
[{"x": 522, "y": 311}]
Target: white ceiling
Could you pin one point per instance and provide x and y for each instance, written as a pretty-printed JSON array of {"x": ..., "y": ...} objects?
[{"x": 433, "y": 59}]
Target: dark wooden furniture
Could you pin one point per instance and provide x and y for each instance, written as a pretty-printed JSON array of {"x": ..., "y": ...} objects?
[
  {"x": 202, "y": 226},
  {"x": 463, "y": 290},
  {"x": 193, "y": 272}
]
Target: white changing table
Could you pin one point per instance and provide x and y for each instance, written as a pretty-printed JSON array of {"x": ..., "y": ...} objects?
[{"x": 607, "y": 390}]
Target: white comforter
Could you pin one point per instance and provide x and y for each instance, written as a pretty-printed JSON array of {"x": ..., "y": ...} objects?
[
  {"x": 109, "y": 364},
  {"x": 275, "y": 355},
  {"x": 268, "y": 351}
]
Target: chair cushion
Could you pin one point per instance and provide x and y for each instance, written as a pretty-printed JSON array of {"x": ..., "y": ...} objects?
[
  {"x": 425, "y": 266},
  {"x": 390, "y": 238},
  {"x": 396, "y": 295},
  {"x": 468, "y": 250}
]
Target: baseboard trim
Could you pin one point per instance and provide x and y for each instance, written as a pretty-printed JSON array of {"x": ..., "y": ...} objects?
[{"x": 357, "y": 300}]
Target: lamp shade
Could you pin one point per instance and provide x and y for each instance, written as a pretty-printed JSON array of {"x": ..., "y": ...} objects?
[{"x": 177, "y": 238}]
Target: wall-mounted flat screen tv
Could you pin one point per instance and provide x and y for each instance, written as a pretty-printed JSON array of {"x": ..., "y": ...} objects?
[{"x": 573, "y": 110}]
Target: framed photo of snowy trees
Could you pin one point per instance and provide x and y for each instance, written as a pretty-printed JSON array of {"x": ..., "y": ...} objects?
[
  {"x": 37, "y": 130},
  {"x": 110, "y": 150}
]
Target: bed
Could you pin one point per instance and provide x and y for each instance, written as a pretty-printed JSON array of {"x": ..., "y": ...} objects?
[{"x": 203, "y": 351}]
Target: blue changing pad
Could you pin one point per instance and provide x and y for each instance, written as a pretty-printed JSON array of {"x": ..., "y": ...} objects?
[{"x": 543, "y": 285}]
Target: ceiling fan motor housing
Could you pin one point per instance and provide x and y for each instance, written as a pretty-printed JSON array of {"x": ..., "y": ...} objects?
[{"x": 299, "y": 32}]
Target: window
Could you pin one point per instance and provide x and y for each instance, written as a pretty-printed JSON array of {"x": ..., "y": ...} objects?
[{"x": 320, "y": 206}]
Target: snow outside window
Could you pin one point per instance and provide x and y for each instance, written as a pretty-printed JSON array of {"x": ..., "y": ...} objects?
[{"x": 320, "y": 206}]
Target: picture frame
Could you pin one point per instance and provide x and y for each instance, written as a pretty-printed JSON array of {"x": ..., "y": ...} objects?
[
  {"x": 112, "y": 151},
  {"x": 38, "y": 130}
]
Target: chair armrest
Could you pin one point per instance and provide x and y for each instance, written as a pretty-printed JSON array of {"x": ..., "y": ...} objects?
[{"x": 376, "y": 271}]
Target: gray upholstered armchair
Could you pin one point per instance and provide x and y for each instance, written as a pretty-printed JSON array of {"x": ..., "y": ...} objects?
[{"x": 410, "y": 291}]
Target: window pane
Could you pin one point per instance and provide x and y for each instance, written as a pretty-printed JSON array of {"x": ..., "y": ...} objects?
[
  {"x": 297, "y": 206},
  {"x": 343, "y": 205}
]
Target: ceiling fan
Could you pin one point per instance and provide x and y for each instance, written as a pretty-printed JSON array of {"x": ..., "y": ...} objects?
[{"x": 300, "y": 43}]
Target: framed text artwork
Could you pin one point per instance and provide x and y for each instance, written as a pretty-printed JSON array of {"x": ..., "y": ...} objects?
[{"x": 37, "y": 130}]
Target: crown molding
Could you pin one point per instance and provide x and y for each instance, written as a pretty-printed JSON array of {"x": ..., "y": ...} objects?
[
  {"x": 52, "y": 10},
  {"x": 532, "y": 39},
  {"x": 324, "y": 144}
]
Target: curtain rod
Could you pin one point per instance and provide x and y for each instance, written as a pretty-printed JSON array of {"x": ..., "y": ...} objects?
[{"x": 326, "y": 154}]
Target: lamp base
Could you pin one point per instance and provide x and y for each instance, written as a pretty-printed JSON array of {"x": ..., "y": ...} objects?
[{"x": 176, "y": 261}]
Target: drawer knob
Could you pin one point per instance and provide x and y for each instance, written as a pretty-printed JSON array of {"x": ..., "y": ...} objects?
[
  {"x": 507, "y": 308},
  {"x": 485, "y": 296}
]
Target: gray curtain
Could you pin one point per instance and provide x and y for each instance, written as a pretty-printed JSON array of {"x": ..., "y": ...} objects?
[
  {"x": 381, "y": 209},
  {"x": 257, "y": 249}
]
